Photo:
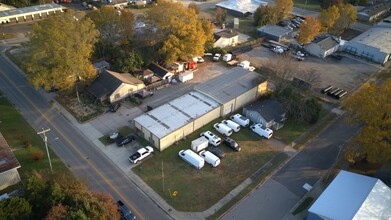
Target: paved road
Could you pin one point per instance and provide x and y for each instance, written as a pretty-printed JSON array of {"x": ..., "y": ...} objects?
[
  {"x": 77, "y": 152},
  {"x": 277, "y": 196}
]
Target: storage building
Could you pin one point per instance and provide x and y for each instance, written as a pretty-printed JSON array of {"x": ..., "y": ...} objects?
[
  {"x": 374, "y": 44},
  {"x": 374, "y": 12},
  {"x": 9, "y": 165},
  {"x": 29, "y": 13},
  {"x": 323, "y": 46},
  {"x": 234, "y": 89},
  {"x": 273, "y": 32}
]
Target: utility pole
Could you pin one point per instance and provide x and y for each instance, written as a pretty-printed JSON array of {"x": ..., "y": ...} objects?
[{"x": 45, "y": 139}]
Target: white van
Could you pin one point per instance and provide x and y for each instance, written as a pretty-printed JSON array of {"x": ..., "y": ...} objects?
[
  {"x": 262, "y": 131},
  {"x": 210, "y": 158},
  {"x": 240, "y": 119},
  {"x": 223, "y": 129},
  {"x": 192, "y": 158},
  {"x": 199, "y": 144},
  {"x": 212, "y": 138},
  {"x": 234, "y": 126}
]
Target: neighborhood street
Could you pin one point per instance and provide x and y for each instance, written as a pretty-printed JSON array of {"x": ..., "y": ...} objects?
[
  {"x": 76, "y": 151},
  {"x": 278, "y": 195}
]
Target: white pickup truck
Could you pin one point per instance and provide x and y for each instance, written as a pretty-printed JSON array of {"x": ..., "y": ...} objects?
[{"x": 141, "y": 154}]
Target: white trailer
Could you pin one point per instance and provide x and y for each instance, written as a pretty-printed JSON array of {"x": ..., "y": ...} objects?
[
  {"x": 199, "y": 144},
  {"x": 186, "y": 76},
  {"x": 245, "y": 64},
  {"x": 227, "y": 57},
  {"x": 192, "y": 158}
]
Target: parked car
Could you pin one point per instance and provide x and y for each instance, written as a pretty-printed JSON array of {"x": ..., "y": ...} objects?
[
  {"x": 240, "y": 119},
  {"x": 192, "y": 158},
  {"x": 262, "y": 131},
  {"x": 216, "y": 151},
  {"x": 300, "y": 54},
  {"x": 223, "y": 129},
  {"x": 217, "y": 57},
  {"x": 141, "y": 154},
  {"x": 125, "y": 140},
  {"x": 114, "y": 107},
  {"x": 126, "y": 213},
  {"x": 210, "y": 158},
  {"x": 200, "y": 60},
  {"x": 142, "y": 94},
  {"x": 234, "y": 126},
  {"x": 231, "y": 144}
]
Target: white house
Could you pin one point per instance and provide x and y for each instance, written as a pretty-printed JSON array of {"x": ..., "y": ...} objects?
[
  {"x": 269, "y": 113},
  {"x": 226, "y": 38},
  {"x": 9, "y": 165},
  {"x": 323, "y": 46}
]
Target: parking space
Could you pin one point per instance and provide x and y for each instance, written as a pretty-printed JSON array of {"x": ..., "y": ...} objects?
[{"x": 347, "y": 73}]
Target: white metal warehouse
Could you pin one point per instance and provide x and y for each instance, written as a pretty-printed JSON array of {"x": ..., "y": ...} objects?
[
  {"x": 219, "y": 96},
  {"x": 29, "y": 13},
  {"x": 374, "y": 44}
]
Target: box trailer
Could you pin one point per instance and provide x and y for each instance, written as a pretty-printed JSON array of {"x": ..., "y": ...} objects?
[
  {"x": 192, "y": 158},
  {"x": 186, "y": 76},
  {"x": 199, "y": 144}
]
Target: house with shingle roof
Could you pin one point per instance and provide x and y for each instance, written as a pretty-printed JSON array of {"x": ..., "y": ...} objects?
[
  {"x": 323, "y": 46},
  {"x": 269, "y": 113},
  {"x": 112, "y": 86},
  {"x": 226, "y": 38},
  {"x": 9, "y": 165}
]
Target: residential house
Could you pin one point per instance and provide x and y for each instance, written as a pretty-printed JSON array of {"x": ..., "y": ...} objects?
[
  {"x": 160, "y": 71},
  {"x": 323, "y": 46},
  {"x": 112, "y": 86},
  {"x": 145, "y": 75},
  {"x": 9, "y": 165},
  {"x": 353, "y": 196},
  {"x": 269, "y": 113},
  {"x": 226, "y": 38}
]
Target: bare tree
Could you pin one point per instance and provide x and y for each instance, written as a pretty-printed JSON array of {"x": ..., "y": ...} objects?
[
  {"x": 283, "y": 67},
  {"x": 310, "y": 76}
]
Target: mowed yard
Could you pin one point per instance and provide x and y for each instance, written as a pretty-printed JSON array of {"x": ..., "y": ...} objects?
[{"x": 198, "y": 190}]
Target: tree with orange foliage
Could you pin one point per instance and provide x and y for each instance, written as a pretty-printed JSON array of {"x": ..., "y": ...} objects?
[{"x": 309, "y": 30}]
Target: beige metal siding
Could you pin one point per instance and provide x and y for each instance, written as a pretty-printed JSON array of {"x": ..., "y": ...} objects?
[
  {"x": 228, "y": 107},
  {"x": 246, "y": 98},
  {"x": 208, "y": 117}
]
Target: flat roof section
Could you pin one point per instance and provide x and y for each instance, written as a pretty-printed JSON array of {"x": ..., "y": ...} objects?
[
  {"x": 31, "y": 9},
  {"x": 274, "y": 30},
  {"x": 177, "y": 113},
  {"x": 243, "y": 6},
  {"x": 230, "y": 85},
  {"x": 378, "y": 37}
]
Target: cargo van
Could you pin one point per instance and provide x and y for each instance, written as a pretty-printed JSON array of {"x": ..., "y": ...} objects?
[
  {"x": 212, "y": 138},
  {"x": 234, "y": 126},
  {"x": 192, "y": 158},
  {"x": 199, "y": 144},
  {"x": 262, "y": 131},
  {"x": 210, "y": 158},
  {"x": 223, "y": 129},
  {"x": 240, "y": 119}
]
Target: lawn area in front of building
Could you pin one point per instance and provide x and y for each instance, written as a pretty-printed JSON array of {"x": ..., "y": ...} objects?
[
  {"x": 198, "y": 190},
  {"x": 313, "y": 5},
  {"x": 18, "y": 133}
]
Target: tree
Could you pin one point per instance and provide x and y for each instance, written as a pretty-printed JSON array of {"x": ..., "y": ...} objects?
[
  {"x": 283, "y": 9},
  {"x": 345, "y": 19},
  {"x": 328, "y": 17},
  {"x": 181, "y": 33},
  {"x": 209, "y": 33},
  {"x": 56, "y": 196},
  {"x": 221, "y": 15},
  {"x": 308, "y": 30},
  {"x": 59, "y": 51},
  {"x": 15, "y": 208},
  {"x": 195, "y": 7},
  {"x": 328, "y": 3},
  {"x": 265, "y": 15},
  {"x": 128, "y": 61},
  {"x": 371, "y": 107},
  {"x": 115, "y": 27}
]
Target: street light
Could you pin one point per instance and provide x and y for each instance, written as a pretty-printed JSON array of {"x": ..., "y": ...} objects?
[{"x": 45, "y": 139}]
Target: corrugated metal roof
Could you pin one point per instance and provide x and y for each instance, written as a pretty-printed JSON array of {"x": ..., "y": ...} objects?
[
  {"x": 230, "y": 85},
  {"x": 354, "y": 196},
  {"x": 31, "y": 9},
  {"x": 378, "y": 37},
  {"x": 8, "y": 160},
  {"x": 177, "y": 113}
]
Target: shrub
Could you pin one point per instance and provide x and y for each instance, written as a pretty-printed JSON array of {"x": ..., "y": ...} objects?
[
  {"x": 37, "y": 155},
  {"x": 27, "y": 144}
]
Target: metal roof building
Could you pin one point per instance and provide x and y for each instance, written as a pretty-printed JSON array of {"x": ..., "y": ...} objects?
[
  {"x": 353, "y": 196},
  {"x": 374, "y": 44},
  {"x": 241, "y": 7},
  {"x": 219, "y": 96},
  {"x": 29, "y": 13},
  {"x": 273, "y": 32},
  {"x": 8, "y": 165}
]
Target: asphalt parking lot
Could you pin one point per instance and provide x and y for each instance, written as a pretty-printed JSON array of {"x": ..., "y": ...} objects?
[{"x": 347, "y": 73}]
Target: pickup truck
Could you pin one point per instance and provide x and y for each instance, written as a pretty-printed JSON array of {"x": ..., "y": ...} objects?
[{"x": 141, "y": 154}]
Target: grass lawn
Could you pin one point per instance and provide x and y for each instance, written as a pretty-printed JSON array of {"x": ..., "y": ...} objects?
[
  {"x": 198, "y": 190},
  {"x": 313, "y": 5},
  {"x": 291, "y": 131},
  {"x": 16, "y": 131}
]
